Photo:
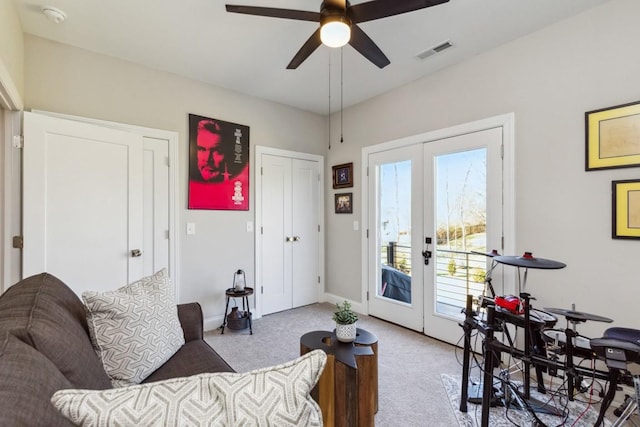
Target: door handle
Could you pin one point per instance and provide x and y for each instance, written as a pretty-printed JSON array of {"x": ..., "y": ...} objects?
[
  {"x": 136, "y": 253},
  {"x": 426, "y": 254},
  {"x": 296, "y": 238},
  {"x": 288, "y": 239}
]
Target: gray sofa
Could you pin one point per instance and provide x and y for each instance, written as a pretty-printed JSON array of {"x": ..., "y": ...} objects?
[{"x": 45, "y": 346}]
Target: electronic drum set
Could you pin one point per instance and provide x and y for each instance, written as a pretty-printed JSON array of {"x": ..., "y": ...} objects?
[{"x": 544, "y": 345}]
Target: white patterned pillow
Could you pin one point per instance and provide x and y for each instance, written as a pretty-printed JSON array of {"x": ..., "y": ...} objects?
[
  {"x": 275, "y": 396},
  {"x": 135, "y": 329}
]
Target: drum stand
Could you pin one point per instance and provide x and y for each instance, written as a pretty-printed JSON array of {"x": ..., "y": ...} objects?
[
  {"x": 629, "y": 406},
  {"x": 492, "y": 349}
]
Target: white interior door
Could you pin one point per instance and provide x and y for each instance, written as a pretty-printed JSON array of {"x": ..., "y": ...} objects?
[
  {"x": 463, "y": 193},
  {"x": 288, "y": 239},
  {"x": 84, "y": 206},
  {"x": 305, "y": 230},
  {"x": 395, "y": 243},
  {"x": 275, "y": 271},
  {"x": 155, "y": 205}
]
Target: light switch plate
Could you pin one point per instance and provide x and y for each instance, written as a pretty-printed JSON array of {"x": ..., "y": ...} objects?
[{"x": 191, "y": 228}]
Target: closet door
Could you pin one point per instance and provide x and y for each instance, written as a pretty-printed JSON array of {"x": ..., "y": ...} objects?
[
  {"x": 83, "y": 218},
  {"x": 305, "y": 229},
  {"x": 93, "y": 194},
  {"x": 288, "y": 244},
  {"x": 275, "y": 269}
]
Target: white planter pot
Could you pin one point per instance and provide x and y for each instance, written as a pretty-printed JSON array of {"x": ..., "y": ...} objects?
[{"x": 346, "y": 333}]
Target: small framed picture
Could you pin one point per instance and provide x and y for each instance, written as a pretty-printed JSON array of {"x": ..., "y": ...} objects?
[
  {"x": 626, "y": 209},
  {"x": 343, "y": 175},
  {"x": 344, "y": 203},
  {"x": 613, "y": 137}
]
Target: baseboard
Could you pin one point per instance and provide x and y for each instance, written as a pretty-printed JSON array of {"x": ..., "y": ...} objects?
[
  {"x": 212, "y": 323},
  {"x": 358, "y": 307}
]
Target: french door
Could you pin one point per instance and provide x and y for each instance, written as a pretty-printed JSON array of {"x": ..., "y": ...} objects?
[
  {"x": 463, "y": 195},
  {"x": 433, "y": 209},
  {"x": 395, "y": 212}
]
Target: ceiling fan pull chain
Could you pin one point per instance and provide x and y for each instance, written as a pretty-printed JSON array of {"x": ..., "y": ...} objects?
[
  {"x": 329, "y": 100},
  {"x": 341, "y": 93}
]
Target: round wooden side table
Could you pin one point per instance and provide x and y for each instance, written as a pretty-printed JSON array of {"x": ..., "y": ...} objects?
[{"x": 347, "y": 390}]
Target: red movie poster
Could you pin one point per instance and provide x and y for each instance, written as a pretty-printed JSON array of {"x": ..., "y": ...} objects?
[{"x": 218, "y": 164}]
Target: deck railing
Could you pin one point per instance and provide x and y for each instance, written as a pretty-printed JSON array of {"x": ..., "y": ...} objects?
[{"x": 458, "y": 273}]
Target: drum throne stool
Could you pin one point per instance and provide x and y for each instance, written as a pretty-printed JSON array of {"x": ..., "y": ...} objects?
[{"x": 618, "y": 348}]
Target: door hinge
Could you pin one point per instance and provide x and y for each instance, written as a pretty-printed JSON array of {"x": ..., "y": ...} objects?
[
  {"x": 168, "y": 162},
  {"x": 18, "y": 141},
  {"x": 262, "y": 289},
  {"x": 166, "y": 234},
  {"x": 367, "y": 233},
  {"x": 261, "y": 170},
  {"x": 318, "y": 228},
  {"x": 502, "y": 243},
  {"x": 318, "y": 279},
  {"x": 502, "y": 151},
  {"x": 18, "y": 242},
  {"x": 261, "y": 230},
  {"x": 367, "y": 295}
]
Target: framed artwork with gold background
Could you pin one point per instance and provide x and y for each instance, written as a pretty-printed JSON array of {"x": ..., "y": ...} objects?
[
  {"x": 626, "y": 209},
  {"x": 613, "y": 137}
]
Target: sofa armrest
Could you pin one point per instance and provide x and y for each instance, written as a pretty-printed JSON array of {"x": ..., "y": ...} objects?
[{"x": 190, "y": 316}]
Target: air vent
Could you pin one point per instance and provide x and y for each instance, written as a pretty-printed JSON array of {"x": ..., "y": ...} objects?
[{"x": 437, "y": 49}]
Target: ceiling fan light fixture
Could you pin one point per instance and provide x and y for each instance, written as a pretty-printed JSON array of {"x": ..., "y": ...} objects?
[{"x": 335, "y": 31}]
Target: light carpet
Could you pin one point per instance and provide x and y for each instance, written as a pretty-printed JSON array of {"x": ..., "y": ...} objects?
[
  {"x": 578, "y": 414},
  {"x": 409, "y": 363}
]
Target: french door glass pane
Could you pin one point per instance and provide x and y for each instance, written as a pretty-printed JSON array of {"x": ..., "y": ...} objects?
[
  {"x": 461, "y": 213},
  {"x": 395, "y": 230}
]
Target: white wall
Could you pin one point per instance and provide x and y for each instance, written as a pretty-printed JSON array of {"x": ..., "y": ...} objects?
[
  {"x": 72, "y": 81},
  {"x": 11, "y": 88},
  {"x": 549, "y": 79},
  {"x": 11, "y": 56}
]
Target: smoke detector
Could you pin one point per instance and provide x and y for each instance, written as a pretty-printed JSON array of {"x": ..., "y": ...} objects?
[{"x": 54, "y": 14}]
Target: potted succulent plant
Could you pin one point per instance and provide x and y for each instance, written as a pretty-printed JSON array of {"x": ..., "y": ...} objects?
[{"x": 345, "y": 319}]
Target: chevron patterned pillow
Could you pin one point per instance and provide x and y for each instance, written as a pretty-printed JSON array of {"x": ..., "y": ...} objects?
[
  {"x": 275, "y": 396},
  {"x": 135, "y": 329}
]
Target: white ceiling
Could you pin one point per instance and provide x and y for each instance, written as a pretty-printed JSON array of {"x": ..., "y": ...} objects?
[{"x": 198, "y": 39}]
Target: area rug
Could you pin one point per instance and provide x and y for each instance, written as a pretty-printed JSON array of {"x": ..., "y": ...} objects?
[{"x": 578, "y": 414}]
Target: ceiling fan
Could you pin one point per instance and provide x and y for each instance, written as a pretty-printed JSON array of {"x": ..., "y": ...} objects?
[{"x": 338, "y": 24}]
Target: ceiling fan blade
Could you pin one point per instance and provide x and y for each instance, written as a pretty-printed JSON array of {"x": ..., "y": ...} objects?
[
  {"x": 307, "y": 49},
  {"x": 363, "y": 44},
  {"x": 369, "y": 11},
  {"x": 299, "y": 15}
]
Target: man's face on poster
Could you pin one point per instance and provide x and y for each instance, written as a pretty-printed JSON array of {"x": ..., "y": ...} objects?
[{"x": 210, "y": 154}]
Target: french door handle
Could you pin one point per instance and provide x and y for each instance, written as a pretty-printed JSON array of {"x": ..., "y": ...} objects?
[
  {"x": 296, "y": 238},
  {"x": 136, "y": 253},
  {"x": 426, "y": 254},
  {"x": 288, "y": 239}
]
